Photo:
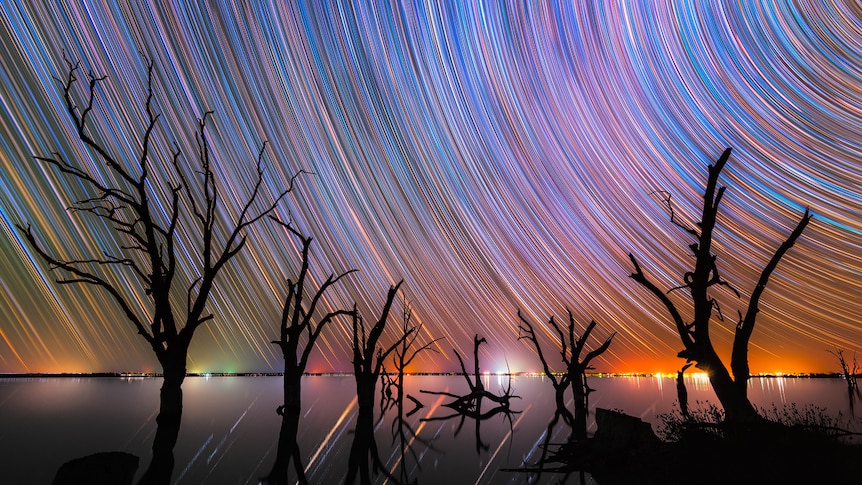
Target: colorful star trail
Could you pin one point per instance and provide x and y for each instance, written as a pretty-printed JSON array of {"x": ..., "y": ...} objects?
[{"x": 495, "y": 159}]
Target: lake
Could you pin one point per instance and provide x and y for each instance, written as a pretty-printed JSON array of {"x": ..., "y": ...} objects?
[{"x": 230, "y": 427}]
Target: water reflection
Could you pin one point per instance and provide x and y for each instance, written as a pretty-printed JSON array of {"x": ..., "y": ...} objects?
[
  {"x": 230, "y": 434},
  {"x": 287, "y": 451},
  {"x": 471, "y": 406}
]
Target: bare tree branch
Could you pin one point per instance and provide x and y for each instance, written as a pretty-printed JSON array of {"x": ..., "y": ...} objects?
[
  {"x": 695, "y": 336},
  {"x": 148, "y": 255},
  {"x": 745, "y": 327},
  {"x": 88, "y": 278}
]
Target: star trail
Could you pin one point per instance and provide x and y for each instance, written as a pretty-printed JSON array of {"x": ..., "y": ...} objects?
[{"x": 494, "y": 157}]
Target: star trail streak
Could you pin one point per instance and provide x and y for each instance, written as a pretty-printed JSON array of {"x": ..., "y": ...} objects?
[{"x": 495, "y": 158}]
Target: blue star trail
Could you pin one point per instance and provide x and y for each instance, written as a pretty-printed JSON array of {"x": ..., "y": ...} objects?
[{"x": 495, "y": 158}]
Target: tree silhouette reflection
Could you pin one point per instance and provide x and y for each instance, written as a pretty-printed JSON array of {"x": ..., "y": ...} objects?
[
  {"x": 470, "y": 405},
  {"x": 288, "y": 449},
  {"x": 547, "y": 462},
  {"x": 368, "y": 361}
]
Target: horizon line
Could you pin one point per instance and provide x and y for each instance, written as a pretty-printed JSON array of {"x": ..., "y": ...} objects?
[{"x": 694, "y": 375}]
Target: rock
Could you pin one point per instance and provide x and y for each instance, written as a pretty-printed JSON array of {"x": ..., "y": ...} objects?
[
  {"x": 619, "y": 431},
  {"x": 107, "y": 468}
]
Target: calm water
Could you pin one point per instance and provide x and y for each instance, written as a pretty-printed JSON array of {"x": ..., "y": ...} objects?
[{"x": 230, "y": 427}]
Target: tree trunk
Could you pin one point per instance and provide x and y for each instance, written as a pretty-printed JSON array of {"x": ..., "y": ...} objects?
[
  {"x": 288, "y": 449},
  {"x": 559, "y": 397},
  {"x": 363, "y": 450},
  {"x": 560, "y": 401},
  {"x": 292, "y": 390},
  {"x": 682, "y": 394},
  {"x": 169, "y": 419},
  {"x": 363, "y": 458},
  {"x": 366, "y": 384},
  {"x": 736, "y": 405},
  {"x": 579, "y": 428}
]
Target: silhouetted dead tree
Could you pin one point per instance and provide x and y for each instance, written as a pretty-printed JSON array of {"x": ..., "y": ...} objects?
[
  {"x": 543, "y": 465},
  {"x": 470, "y": 405},
  {"x": 549, "y": 461},
  {"x": 287, "y": 450},
  {"x": 681, "y": 391},
  {"x": 576, "y": 369},
  {"x": 695, "y": 335},
  {"x": 560, "y": 381},
  {"x": 368, "y": 359},
  {"x": 402, "y": 357},
  {"x": 132, "y": 208},
  {"x": 849, "y": 373},
  {"x": 300, "y": 327}
]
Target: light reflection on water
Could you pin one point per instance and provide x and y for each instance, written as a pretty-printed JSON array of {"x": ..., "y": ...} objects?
[{"x": 230, "y": 427}]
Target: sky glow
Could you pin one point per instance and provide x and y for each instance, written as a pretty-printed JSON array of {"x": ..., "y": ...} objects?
[{"x": 495, "y": 160}]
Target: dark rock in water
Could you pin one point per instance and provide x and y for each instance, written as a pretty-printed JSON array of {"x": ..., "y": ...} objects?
[
  {"x": 616, "y": 431},
  {"x": 623, "y": 450},
  {"x": 108, "y": 468}
]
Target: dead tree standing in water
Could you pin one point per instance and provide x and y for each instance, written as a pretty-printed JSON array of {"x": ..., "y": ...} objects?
[
  {"x": 133, "y": 209},
  {"x": 368, "y": 361},
  {"x": 849, "y": 375},
  {"x": 300, "y": 327},
  {"x": 402, "y": 357},
  {"x": 847, "y": 372},
  {"x": 576, "y": 369},
  {"x": 695, "y": 335},
  {"x": 470, "y": 405}
]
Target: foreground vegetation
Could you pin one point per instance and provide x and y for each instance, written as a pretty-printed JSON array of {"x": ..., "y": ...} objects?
[{"x": 789, "y": 445}]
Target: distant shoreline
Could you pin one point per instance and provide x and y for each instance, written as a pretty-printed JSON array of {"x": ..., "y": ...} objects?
[{"x": 128, "y": 375}]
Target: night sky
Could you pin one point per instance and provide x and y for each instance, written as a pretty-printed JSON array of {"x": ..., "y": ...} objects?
[{"x": 494, "y": 159}]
